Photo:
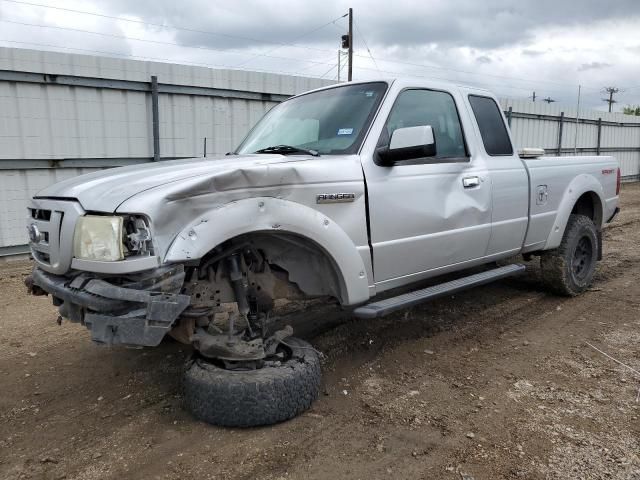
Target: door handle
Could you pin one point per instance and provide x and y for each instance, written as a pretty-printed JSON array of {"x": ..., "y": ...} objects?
[{"x": 470, "y": 182}]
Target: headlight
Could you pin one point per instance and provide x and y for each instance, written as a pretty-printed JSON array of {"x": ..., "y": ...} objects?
[{"x": 98, "y": 238}]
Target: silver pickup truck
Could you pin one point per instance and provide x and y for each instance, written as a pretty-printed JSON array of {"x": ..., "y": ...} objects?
[{"x": 341, "y": 193}]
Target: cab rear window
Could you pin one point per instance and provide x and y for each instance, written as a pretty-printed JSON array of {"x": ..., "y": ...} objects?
[{"x": 492, "y": 129}]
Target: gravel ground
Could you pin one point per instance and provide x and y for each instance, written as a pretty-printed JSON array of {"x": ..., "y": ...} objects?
[{"x": 499, "y": 382}]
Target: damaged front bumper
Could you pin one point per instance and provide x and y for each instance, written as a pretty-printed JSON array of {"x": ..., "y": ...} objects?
[{"x": 135, "y": 310}]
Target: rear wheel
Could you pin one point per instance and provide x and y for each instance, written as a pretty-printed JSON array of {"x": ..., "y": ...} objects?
[{"x": 569, "y": 269}]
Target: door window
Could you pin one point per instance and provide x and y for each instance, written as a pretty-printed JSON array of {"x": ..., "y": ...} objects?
[
  {"x": 492, "y": 130},
  {"x": 416, "y": 107}
]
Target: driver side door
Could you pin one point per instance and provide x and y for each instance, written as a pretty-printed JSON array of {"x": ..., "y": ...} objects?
[{"x": 427, "y": 215}]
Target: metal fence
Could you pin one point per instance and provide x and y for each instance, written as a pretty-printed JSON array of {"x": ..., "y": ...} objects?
[
  {"x": 63, "y": 115},
  {"x": 559, "y": 131}
]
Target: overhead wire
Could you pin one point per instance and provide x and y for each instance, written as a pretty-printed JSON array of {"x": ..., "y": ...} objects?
[
  {"x": 214, "y": 65},
  {"x": 329, "y": 71},
  {"x": 205, "y": 32},
  {"x": 158, "y": 25},
  {"x": 367, "y": 47},
  {"x": 292, "y": 42},
  {"x": 311, "y": 63},
  {"x": 144, "y": 40},
  {"x": 140, "y": 57},
  {"x": 324, "y": 61}
]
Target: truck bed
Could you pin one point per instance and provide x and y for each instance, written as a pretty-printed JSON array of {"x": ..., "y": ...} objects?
[{"x": 550, "y": 177}]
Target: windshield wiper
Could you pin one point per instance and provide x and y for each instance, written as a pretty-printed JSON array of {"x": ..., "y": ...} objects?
[{"x": 286, "y": 150}]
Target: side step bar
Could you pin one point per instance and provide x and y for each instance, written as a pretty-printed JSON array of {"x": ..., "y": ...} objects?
[{"x": 389, "y": 305}]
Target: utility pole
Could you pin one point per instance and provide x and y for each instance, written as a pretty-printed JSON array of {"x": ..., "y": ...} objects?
[
  {"x": 611, "y": 91},
  {"x": 347, "y": 43},
  {"x": 575, "y": 138},
  {"x": 339, "y": 55},
  {"x": 534, "y": 96},
  {"x": 350, "y": 76}
]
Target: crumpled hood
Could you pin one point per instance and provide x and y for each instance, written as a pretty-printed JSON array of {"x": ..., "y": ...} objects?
[{"x": 105, "y": 190}]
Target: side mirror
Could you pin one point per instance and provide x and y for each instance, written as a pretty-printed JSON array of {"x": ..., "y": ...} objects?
[{"x": 408, "y": 143}]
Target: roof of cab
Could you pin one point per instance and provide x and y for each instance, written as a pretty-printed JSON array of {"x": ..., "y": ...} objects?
[{"x": 404, "y": 83}]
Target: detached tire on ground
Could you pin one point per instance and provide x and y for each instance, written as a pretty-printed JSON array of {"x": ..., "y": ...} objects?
[
  {"x": 568, "y": 270},
  {"x": 248, "y": 398}
]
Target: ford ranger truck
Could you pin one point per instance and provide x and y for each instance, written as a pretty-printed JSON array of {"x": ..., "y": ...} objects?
[{"x": 342, "y": 194}]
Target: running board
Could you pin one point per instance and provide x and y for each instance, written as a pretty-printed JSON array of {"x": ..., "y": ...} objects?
[{"x": 389, "y": 305}]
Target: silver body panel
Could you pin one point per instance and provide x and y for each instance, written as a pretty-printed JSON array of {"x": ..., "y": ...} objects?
[
  {"x": 54, "y": 252},
  {"x": 423, "y": 220},
  {"x": 565, "y": 179}
]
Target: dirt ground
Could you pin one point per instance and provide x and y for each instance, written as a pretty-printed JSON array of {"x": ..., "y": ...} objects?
[{"x": 499, "y": 382}]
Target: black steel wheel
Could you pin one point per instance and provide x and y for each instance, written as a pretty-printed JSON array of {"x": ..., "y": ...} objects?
[
  {"x": 569, "y": 269},
  {"x": 262, "y": 396},
  {"x": 582, "y": 258}
]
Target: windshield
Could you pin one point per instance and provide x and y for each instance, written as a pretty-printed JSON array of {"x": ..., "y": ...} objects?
[{"x": 332, "y": 121}]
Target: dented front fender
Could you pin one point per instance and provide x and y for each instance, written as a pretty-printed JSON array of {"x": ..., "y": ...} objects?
[{"x": 268, "y": 214}]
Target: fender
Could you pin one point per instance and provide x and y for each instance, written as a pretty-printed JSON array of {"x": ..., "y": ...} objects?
[
  {"x": 580, "y": 185},
  {"x": 269, "y": 214}
]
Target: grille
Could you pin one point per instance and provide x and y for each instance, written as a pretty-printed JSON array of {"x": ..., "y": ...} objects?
[{"x": 55, "y": 220}]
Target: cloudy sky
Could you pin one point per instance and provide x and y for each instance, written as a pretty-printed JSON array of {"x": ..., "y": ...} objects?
[{"x": 513, "y": 47}]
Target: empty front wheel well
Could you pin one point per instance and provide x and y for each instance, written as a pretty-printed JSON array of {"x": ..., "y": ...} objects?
[{"x": 307, "y": 265}]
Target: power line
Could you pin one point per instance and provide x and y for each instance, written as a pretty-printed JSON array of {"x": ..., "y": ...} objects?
[
  {"x": 325, "y": 61},
  {"x": 291, "y": 43},
  {"x": 336, "y": 77},
  {"x": 629, "y": 88},
  {"x": 329, "y": 71},
  {"x": 157, "y": 42},
  {"x": 367, "y": 47},
  {"x": 214, "y": 65},
  {"x": 160, "y": 42},
  {"x": 468, "y": 72},
  {"x": 311, "y": 62},
  {"x": 159, "y": 25},
  {"x": 281, "y": 44},
  {"x": 140, "y": 57}
]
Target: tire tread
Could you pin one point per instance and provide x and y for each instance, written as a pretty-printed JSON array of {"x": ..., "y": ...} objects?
[
  {"x": 256, "y": 397},
  {"x": 554, "y": 263}
]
